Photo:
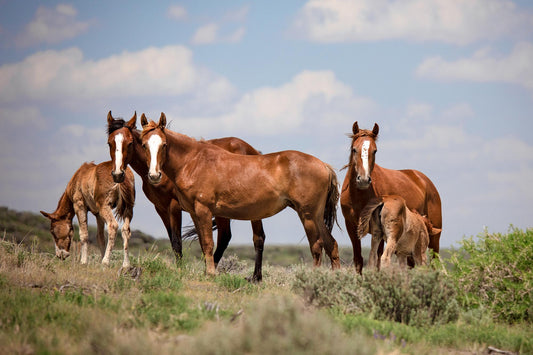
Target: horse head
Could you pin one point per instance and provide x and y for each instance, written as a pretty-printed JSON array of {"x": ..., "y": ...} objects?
[
  {"x": 154, "y": 142},
  {"x": 363, "y": 154},
  {"x": 120, "y": 141},
  {"x": 63, "y": 232}
]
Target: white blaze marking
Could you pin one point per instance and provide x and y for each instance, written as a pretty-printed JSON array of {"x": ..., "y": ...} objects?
[
  {"x": 119, "y": 138},
  {"x": 154, "y": 143},
  {"x": 364, "y": 155}
]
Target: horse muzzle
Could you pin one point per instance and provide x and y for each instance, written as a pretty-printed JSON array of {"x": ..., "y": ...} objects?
[
  {"x": 62, "y": 254},
  {"x": 118, "y": 177},
  {"x": 363, "y": 183},
  {"x": 154, "y": 179}
]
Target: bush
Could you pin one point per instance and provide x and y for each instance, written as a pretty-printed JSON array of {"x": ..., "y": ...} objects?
[
  {"x": 495, "y": 273},
  {"x": 416, "y": 297},
  {"x": 277, "y": 325}
]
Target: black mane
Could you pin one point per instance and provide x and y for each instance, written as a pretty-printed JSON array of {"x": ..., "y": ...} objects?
[{"x": 117, "y": 123}]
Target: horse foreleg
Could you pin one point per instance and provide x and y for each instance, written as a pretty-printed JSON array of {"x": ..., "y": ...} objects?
[
  {"x": 351, "y": 223},
  {"x": 202, "y": 221},
  {"x": 112, "y": 227},
  {"x": 126, "y": 234},
  {"x": 81, "y": 214},
  {"x": 175, "y": 229},
  {"x": 373, "y": 257},
  {"x": 100, "y": 234},
  {"x": 223, "y": 237},
  {"x": 259, "y": 242}
]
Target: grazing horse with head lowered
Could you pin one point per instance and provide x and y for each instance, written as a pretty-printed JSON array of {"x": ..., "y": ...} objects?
[
  {"x": 365, "y": 180},
  {"x": 214, "y": 182},
  {"x": 406, "y": 232},
  {"x": 125, "y": 148},
  {"x": 92, "y": 189}
]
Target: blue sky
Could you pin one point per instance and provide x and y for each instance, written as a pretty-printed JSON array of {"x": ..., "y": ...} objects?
[{"x": 449, "y": 82}]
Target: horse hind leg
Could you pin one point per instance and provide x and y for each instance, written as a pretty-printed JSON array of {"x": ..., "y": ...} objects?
[{"x": 259, "y": 242}]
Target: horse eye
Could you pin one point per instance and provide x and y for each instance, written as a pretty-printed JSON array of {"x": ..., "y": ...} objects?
[
  {"x": 144, "y": 145},
  {"x": 354, "y": 151}
]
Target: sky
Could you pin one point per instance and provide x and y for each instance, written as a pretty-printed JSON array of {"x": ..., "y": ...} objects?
[{"x": 450, "y": 83}]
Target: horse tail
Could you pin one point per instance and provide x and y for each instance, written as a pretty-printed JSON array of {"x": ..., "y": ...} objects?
[
  {"x": 191, "y": 232},
  {"x": 126, "y": 196},
  {"x": 366, "y": 216},
  {"x": 330, "y": 211}
]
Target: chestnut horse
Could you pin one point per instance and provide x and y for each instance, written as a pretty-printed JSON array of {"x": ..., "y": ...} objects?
[
  {"x": 406, "y": 232},
  {"x": 125, "y": 147},
  {"x": 214, "y": 182},
  {"x": 366, "y": 180},
  {"x": 92, "y": 189}
]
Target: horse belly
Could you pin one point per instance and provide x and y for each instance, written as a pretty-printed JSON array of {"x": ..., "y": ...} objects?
[{"x": 251, "y": 209}]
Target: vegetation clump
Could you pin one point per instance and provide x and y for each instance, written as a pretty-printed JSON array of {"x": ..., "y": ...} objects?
[
  {"x": 417, "y": 297},
  {"x": 495, "y": 273}
]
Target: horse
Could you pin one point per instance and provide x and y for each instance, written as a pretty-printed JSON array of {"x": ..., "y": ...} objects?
[
  {"x": 406, "y": 232},
  {"x": 214, "y": 182},
  {"x": 125, "y": 148},
  {"x": 91, "y": 188},
  {"x": 365, "y": 180}
]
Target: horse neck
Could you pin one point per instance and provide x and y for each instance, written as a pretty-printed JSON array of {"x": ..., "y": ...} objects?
[
  {"x": 180, "y": 148},
  {"x": 362, "y": 197},
  {"x": 138, "y": 161},
  {"x": 65, "y": 208}
]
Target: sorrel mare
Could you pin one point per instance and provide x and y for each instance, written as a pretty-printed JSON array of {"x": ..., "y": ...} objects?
[
  {"x": 92, "y": 189},
  {"x": 366, "y": 180},
  {"x": 214, "y": 182},
  {"x": 125, "y": 148},
  {"x": 406, "y": 232}
]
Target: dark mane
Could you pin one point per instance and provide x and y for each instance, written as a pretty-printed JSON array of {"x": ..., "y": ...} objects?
[{"x": 117, "y": 123}]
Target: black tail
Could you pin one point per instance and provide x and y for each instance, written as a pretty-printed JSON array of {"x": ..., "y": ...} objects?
[
  {"x": 191, "y": 232},
  {"x": 330, "y": 212}
]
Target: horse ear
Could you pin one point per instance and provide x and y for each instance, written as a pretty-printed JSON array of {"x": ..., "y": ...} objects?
[
  {"x": 162, "y": 121},
  {"x": 375, "y": 130},
  {"x": 355, "y": 128},
  {"x": 144, "y": 120},
  {"x": 110, "y": 118},
  {"x": 132, "y": 123},
  {"x": 435, "y": 231},
  {"x": 47, "y": 215}
]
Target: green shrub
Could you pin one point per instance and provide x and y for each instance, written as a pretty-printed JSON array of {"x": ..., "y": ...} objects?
[
  {"x": 495, "y": 273},
  {"x": 417, "y": 297},
  {"x": 277, "y": 325}
]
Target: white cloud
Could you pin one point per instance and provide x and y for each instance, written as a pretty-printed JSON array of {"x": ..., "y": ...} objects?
[
  {"x": 65, "y": 76},
  {"x": 176, "y": 12},
  {"x": 206, "y": 34},
  {"x": 220, "y": 32},
  {"x": 316, "y": 98},
  {"x": 52, "y": 26},
  {"x": 484, "y": 66},
  {"x": 450, "y": 21}
]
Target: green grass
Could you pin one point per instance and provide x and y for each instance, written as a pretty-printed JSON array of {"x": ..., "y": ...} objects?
[{"x": 61, "y": 307}]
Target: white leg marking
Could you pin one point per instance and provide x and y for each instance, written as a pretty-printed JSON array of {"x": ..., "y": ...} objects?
[
  {"x": 119, "y": 138},
  {"x": 364, "y": 155},
  {"x": 154, "y": 143}
]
